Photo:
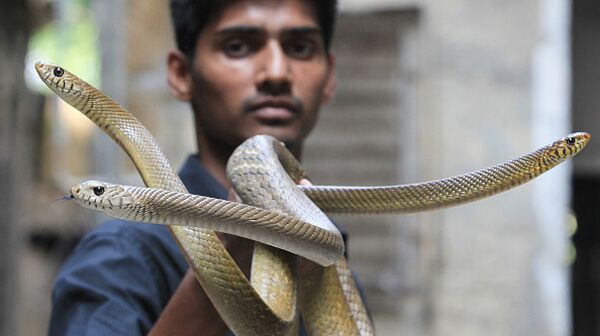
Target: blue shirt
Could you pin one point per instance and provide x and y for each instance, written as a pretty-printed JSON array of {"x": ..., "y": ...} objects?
[{"x": 121, "y": 275}]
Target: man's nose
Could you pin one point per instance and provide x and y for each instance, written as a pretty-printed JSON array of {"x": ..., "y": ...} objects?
[{"x": 275, "y": 72}]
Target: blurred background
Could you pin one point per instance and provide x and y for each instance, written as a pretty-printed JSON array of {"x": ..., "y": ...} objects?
[{"x": 427, "y": 89}]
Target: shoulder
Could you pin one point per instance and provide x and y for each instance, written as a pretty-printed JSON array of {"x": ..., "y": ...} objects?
[
  {"x": 130, "y": 246},
  {"x": 147, "y": 238},
  {"x": 120, "y": 272}
]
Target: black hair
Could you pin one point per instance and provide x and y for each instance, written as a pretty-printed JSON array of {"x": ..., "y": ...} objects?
[{"x": 190, "y": 16}]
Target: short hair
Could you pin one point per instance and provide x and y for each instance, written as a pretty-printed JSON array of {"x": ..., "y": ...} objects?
[{"x": 190, "y": 16}]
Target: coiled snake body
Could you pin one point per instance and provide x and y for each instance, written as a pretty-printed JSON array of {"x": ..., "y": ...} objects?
[{"x": 280, "y": 214}]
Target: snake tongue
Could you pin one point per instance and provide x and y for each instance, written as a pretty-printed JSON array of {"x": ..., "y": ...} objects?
[{"x": 65, "y": 198}]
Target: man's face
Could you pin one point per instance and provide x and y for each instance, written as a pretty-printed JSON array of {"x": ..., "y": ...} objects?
[{"x": 260, "y": 68}]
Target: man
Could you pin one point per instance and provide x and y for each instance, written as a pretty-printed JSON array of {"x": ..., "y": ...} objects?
[{"x": 247, "y": 67}]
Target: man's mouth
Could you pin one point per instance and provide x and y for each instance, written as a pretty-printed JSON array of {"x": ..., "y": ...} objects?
[
  {"x": 275, "y": 109},
  {"x": 272, "y": 114}
]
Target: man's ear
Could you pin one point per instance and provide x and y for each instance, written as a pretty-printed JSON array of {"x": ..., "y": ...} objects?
[
  {"x": 331, "y": 83},
  {"x": 179, "y": 75}
]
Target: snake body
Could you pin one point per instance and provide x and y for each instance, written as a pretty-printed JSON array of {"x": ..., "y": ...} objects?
[
  {"x": 267, "y": 306},
  {"x": 411, "y": 198}
]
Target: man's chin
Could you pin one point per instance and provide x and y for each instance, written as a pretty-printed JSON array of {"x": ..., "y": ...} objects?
[{"x": 290, "y": 138}]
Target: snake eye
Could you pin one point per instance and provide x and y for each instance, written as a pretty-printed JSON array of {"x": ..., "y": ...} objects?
[
  {"x": 58, "y": 72},
  {"x": 570, "y": 141},
  {"x": 98, "y": 191}
]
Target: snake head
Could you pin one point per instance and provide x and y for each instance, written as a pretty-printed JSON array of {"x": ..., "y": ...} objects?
[
  {"x": 102, "y": 196},
  {"x": 66, "y": 85},
  {"x": 570, "y": 145}
]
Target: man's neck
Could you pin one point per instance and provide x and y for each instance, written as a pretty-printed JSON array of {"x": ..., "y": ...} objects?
[{"x": 214, "y": 157}]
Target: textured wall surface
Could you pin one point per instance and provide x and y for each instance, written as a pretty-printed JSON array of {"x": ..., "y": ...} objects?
[{"x": 480, "y": 83}]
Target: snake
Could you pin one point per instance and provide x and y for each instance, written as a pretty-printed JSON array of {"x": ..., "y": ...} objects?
[{"x": 287, "y": 219}]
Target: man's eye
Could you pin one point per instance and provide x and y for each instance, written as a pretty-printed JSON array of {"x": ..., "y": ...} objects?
[
  {"x": 300, "y": 49},
  {"x": 237, "y": 48}
]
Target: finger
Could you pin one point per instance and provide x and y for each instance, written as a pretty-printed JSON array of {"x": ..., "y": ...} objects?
[
  {"x": 233, "y": 196},
  {"x": 306, "y": 266},
  {"x": 305, "y": 182}
]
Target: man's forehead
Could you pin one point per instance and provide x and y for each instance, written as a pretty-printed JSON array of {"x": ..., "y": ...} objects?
[{"x": 268, "y": 15}]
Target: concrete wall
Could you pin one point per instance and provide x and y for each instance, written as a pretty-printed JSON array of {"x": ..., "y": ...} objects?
[
  {"x": 489, "y": 81},
  {"x": 586, "y": 86}
]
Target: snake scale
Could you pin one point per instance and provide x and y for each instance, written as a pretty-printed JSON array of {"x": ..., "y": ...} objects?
[{"x": 278, "y": 213}]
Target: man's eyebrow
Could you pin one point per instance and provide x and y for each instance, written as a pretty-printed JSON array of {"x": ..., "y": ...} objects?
[
  {"x": 240, "y": 30},
  {"x": 309, "y": 30},
  {"x": 254, "y": 30}
]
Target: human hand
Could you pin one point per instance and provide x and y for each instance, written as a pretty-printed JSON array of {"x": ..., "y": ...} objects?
[{"x": 189, "y": 309}]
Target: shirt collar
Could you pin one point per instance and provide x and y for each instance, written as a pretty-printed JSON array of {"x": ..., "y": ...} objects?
[{"x": 199, "y": 181}]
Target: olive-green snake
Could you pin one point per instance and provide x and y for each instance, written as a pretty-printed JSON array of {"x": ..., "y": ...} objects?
[{"x": 280, "y": 214}]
